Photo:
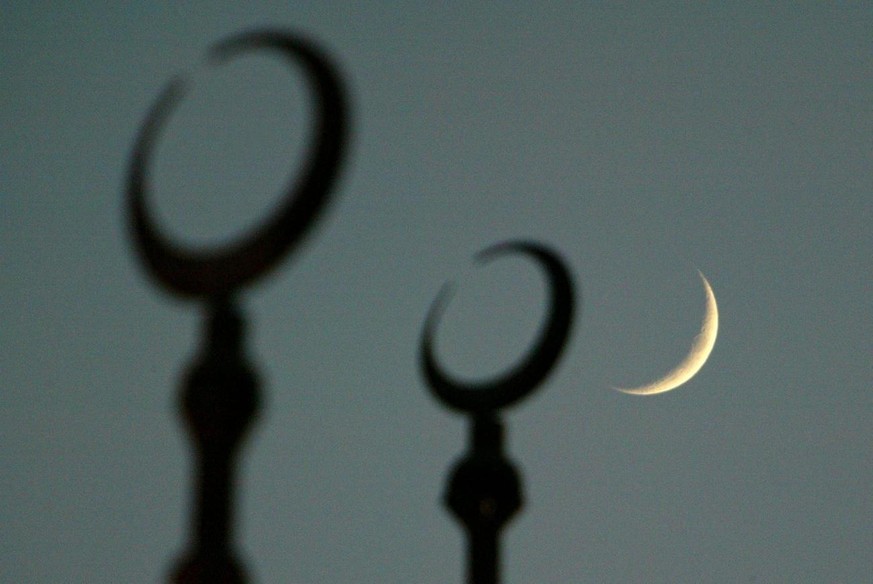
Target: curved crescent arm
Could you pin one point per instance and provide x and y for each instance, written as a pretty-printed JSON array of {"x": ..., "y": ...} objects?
[
  {"x": 526, "y": 376},
  {"x": 204, "y": 273}
]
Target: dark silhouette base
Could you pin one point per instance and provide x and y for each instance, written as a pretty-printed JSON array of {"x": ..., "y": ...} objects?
[
  {"x": 216, "y": 568},
  {"x": 219, "y": 402},
  {"x": 484, "y": 493}
]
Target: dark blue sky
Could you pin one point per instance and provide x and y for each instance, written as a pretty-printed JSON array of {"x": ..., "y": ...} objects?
[{"x": 642, "y": 145}]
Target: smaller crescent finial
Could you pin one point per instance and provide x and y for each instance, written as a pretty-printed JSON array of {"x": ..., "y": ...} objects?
[{"x": 527, "y": 375}]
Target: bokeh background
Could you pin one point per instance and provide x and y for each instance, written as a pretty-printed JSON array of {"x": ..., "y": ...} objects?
[{"x": 641, "y": 143}]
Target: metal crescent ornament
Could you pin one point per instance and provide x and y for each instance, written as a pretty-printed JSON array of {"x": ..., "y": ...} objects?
[
  {"x": 527, "y": 375},
  {"x": 213, "y": 273}
]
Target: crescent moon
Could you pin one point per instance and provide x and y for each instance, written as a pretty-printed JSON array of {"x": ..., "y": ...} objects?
[
  {"x": 205, "y": 273},
  {"x": 700, "y": 350},
  {"x": 525, "y": 377}
]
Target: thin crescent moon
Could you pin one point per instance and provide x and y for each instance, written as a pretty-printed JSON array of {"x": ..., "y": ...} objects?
[
  {"x": 204, "y": 273},
  {"x": 700, "y": 350},
  {"x": 526, "y": 376}
]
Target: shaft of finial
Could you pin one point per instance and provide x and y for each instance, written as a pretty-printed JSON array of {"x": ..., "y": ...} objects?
[
  {"x": 484, "y": 493},
  {"x": 219, "y": 402},
  {"x": 483, "y": 561}
]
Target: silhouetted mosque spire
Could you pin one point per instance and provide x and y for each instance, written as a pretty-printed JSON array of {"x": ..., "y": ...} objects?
[
  {"x": 484, "y": 491},
  {"x": 220, "y": 394}
]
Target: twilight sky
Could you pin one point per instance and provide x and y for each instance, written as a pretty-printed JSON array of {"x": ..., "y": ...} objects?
[{"x": 640, "y": 144}]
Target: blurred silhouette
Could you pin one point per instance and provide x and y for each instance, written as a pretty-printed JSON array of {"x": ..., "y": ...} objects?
[
  {"x": 484, "y": 490},
  {"x": 220, "y": 399},
  {"x": 220, "y": 392}
]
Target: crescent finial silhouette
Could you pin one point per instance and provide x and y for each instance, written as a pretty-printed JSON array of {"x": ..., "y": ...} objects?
[
  {"x": 700, "y": 350},
  {"x": 204, "y": 273},
  {"x": 525, "y": 377}
]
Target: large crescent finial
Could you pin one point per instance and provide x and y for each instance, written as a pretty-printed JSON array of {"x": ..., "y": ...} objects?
[
  {"x": 215, "y": 273},
  {"x": 526, "y": 376}
]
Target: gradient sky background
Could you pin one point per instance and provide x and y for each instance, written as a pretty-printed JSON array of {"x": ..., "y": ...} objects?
[{"x": 641, "y": 144}]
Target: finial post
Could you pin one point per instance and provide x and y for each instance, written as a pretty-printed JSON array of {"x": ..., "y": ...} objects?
[
  {"x": 484, "y": 493},
  {"x": 219, "y": 401}
]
